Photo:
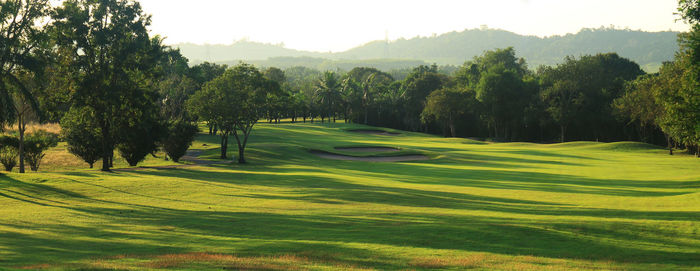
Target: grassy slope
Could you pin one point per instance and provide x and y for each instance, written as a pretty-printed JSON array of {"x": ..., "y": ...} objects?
[{"x": 579, "y": 205}]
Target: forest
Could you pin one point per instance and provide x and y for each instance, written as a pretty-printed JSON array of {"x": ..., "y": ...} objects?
[
  {"x": 648, "y": 49},
  {"x": 93, "y": 67}
]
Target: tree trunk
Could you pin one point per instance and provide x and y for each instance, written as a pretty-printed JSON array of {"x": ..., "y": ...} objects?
[
  {"x": 224, "y": 145},
  {"x": 106, "y": 151},
  {"x": 563, "y": 132},
  {"x": 366, "y": 114},
  {"x": 21, "y": 126},
  {"x": 241, "y": 145},
  {"x": 670, "y": 145}
]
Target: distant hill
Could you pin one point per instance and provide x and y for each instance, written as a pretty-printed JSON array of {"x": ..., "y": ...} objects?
[{"x": 648, "y": 49}]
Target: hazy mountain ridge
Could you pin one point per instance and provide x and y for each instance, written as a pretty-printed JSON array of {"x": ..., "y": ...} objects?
[{"x": 648, "y": 49}]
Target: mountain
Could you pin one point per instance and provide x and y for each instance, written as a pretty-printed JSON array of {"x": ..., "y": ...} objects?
[{"x": 648, "y": 49}]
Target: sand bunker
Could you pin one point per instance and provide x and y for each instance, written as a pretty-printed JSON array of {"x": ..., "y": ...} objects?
[
  {"x": 401, "y": 158},
  {"x": 368, "y": 149},
  {"x": 374, "y": 132}
]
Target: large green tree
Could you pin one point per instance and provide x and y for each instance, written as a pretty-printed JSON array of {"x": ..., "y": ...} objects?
[
  {"x": 497, "y": 77},
  {"x": 113, "y": 60},
  {"x": 446, "y": 105},
  {"x": 563, "y": 101},
  {"x": 422, "y": 81},
  {"x": 579, "y": 94},
  {"x": 235, "y": 101}
]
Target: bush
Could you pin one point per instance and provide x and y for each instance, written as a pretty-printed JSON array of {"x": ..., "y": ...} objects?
[
  {"x": 8, "y": 157},
  {"x": 136, "y": 142},
  {"x": 34, "y": 146},
  {"x": 82, "y": 134},
  {"x": 180, "y": 136},
  {"x": 9, "y": 141}
]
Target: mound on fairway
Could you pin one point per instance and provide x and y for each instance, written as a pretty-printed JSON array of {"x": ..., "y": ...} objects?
[
  {"x": 397, "y": 158},
  {"x": 374, "y": 132},
  {"x": 367, "y": 149}
]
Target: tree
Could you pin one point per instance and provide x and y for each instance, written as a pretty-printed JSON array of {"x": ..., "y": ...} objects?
[
  {"x": 83, "y": 134},
  {"x": 213, "y": 105},
  {"x": 679, "y": 94},
  {"x": 446, "y": 105},
  {"x": 24, "y": 110},
  {"x": 174, "y": 92},
  {"x": 206, "y": 72},
  {"x": 113, "y": 54},
  {"x": 501, "y": 91},
  {"x": 639, "y": 105},
  {"x": 328, "y": 94},
  {"x": 36, "y": 144},
  {"x": 351, "y": 93},
  {"x": 180, "y": 136},
  {"x": 371, "y": 82},
  {"x": 563, "y": 101},
  {"x": 22, "y": 41},
  {"x": 8, "y": 157},
  {"x": 585, "y": 103},
  {"x": 690, "y": 13},
  {"x": 688, "y": 106},
  {"x": 422, "y": 81},
  {"x": 235, "y": 101}
]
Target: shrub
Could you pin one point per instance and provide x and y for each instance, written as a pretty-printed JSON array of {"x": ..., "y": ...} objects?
[
  {"x": 136, "y": 142},
  {"x": 34, "y": 146},
  {"x": 82, "y": 134},
  {"x": 180, "y": 136},
  {"x": 9, "y": 141},
  {"x": 8, "y": 157}
]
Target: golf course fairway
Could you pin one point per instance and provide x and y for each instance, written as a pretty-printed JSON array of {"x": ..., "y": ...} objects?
[{"x": 470, "y": 205}]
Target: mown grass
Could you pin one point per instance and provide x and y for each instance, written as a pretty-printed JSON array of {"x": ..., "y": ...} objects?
[{"x": 509, "y": 206}]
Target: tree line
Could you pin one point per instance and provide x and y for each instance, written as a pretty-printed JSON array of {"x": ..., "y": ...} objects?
[{"x": 93, "y": 67}]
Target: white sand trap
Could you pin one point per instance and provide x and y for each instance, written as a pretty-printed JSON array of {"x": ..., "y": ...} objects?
[
  {"x": 401, "y": 158},
  {"x": 368, "y": 149},
  {"x": 374, "y": 132}
]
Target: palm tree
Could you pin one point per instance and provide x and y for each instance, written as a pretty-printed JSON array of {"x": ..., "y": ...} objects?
[
  {"x": 19, "y": 50},
  {"x": 367, "y": 89},
  {"x": 328, "y": 93}
]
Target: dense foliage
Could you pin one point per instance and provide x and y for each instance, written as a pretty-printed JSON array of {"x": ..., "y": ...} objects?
[
  {"x": 179, "y": 138},
  {"x": 80, "y": 131}
]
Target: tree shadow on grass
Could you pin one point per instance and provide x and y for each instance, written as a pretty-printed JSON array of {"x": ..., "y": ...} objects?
[
  {"x": 320, "y": 188},
  {"x": 269, "y": 234},
  {"x": 140, "y": 229}
]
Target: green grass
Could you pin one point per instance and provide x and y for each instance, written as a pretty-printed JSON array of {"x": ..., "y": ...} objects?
[{"x": 511, "y": 206}]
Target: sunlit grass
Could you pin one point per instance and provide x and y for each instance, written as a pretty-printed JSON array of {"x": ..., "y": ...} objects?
[{"x": 510, "y": 206}]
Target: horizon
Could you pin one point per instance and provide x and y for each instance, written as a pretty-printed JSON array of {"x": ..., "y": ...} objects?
[
  {"x": 320, "y": 26},
  {"x": 416, "y": 37}
]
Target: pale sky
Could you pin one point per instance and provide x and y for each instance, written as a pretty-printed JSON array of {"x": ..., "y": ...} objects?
[{"x": 326, "y": 25}]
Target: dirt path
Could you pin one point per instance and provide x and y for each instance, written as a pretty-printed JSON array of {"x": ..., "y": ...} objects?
[
  {"x": 401, "y": 158},
  {"x": 191, "y": 156}
]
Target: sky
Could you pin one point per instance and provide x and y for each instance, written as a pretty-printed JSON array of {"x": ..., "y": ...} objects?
[{"x": 338, "y": 25}]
